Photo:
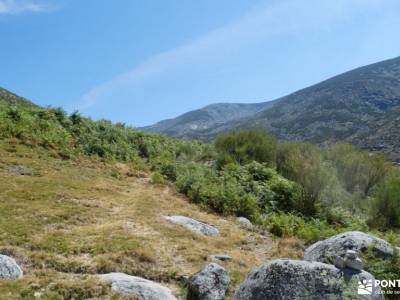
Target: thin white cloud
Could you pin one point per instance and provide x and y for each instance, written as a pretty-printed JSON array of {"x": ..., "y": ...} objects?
[
  {"x": 276, "y": 18},
  {"x": 16, "y": 7}
]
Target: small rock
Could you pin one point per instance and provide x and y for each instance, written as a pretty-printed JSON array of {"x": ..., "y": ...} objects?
[
  {"x": 244, "y": 221},
  {"x": 221, "y": 257},
  {"x": 355, "y": 264},
  {"x": 351, "y": 254},
  {"x": 20, "y": 170},
  {"x": 350, "y": 260},
  {"x": 339, "y": 262},
  {"x": 193, "y": 225},
  {"x": 146, "y": 289},
  {"x": 211, "y": 283},
  {"x": 9, "y": 269}
]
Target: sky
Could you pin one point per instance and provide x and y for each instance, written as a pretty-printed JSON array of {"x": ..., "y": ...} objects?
[{"x": 141, "y": 61}]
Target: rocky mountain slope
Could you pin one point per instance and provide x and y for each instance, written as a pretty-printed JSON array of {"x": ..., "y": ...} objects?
[
  {"x": 361, "y": 106},
  {"x": 199, "y": 122},
  {"x": 11, "y": 98}
]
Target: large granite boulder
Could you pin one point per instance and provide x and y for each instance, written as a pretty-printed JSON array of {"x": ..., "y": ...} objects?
[
  {"x": 9, "y": 269},
  {"x": 193, "y": 225},
  {"x": 143, "y": 288},
  {"x": 211, "y": 283},
  {"x": 298, "y": 280},
  {"x": 328, "y": 250}
]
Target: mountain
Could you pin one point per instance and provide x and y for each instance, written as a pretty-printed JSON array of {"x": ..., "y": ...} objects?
[
  {"x": 361, "y": 107},
  {"x": 195, "y": 124},
  {"x": 12, "y": 98}
]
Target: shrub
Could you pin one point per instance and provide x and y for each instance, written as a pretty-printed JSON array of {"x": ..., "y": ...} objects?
[
  {"x": 307, "y": 229},
  {"x": 157, "y": 178},
  {"x": 385, "y": 208},
  {"x": 169, "y": 170},
  {"x": 245, "y": 146},
  {"x": 249, "y": 190},
  {"x": 358, "y": 171},
  {"x": 303, "y": 163},
  {"x": 383, "y": 269}
]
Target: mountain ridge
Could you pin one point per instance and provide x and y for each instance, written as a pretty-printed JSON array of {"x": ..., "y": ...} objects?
[
  {"x": 205, "y": 118},
  {"x": 360, "y": 106}
]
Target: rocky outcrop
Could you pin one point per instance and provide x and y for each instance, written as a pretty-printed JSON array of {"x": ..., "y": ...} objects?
[
  {"x": 328, "y": 250},
  {"x": 9, "y": 269},
  {"x": 146, "y": 289},
  {"x": 295, "y": 279},
  {"x": 193, "y": 225},
  {"x": 211, "y": 283}
]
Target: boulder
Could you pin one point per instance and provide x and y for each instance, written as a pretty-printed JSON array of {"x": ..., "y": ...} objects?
[
  {"x": 299, "y": 279},
  {"x": 244, "y": 222},
  {"x": 193, "y": 225},
  {"x": 327, "y": 250},
  {"x": 9, "y": 269},
  {"x": 211, "y": 283},
  {"x": 146, "y": 289}
]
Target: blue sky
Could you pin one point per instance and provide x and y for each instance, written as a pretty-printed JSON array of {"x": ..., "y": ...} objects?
[{"x": 140, "y": 61}]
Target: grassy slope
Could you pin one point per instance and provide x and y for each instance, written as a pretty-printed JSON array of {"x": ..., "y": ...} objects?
[{"x": 72, "y": 219}]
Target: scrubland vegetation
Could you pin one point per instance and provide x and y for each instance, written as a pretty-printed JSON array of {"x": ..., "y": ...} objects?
[
  {"x": 292, "y": 190},
  {"x": 245, "y": 173}
]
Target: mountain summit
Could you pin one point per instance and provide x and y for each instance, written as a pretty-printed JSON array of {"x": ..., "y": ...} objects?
[{"x": 361, "y": 107}]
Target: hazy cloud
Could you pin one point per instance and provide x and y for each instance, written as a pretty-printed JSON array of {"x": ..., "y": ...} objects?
[
  {"x": 16, "y": 7},
  {"x": 276, "y": 18}
]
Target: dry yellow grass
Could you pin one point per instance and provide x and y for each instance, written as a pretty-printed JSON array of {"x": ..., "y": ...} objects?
[{"x": 73, "y": 219}]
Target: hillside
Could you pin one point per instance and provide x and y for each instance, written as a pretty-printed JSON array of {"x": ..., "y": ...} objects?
[
  {"x": 78, "y": 199},
  {"x": 11, "y": 98},
  {"x": 361, "y": 107},
  {"x": 69, "y": 220},
  {"x": 81, "y": 199}
]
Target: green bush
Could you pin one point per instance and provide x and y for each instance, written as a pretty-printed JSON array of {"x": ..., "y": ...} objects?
[
  {"x": 385, "y": 208},
  {"x": 383, "y": 269},
  {"x": 157, "y": 178},
  {"x": 358, "y": 171},
  {"x": 307, "y": 229},
  {"x": 245, "y": 146},
  {"x": 304, "y": 164},
  {"x": 249, "y": 190}
]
